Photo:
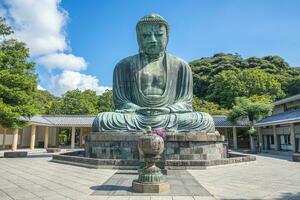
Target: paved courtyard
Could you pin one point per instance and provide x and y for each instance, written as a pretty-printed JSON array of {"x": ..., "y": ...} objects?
[{"x": 36, "y": 178}]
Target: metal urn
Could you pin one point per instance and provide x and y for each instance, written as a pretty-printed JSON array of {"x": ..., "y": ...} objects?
[{"x": 150, "y": 179}]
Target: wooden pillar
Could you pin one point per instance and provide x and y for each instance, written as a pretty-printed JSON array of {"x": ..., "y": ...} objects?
[
  {"x": 260, "y": 139},
  {"x": 15, "y": 139},
  {"x": 46, "y": 137},
  {"x": 56, "y": 130},
  {"x": 234, "y": 138},
  {"x": 275, "y": 138},
  {"x": 4, "y": 137},
  {"x": 32, "y": 137},
  {"x": 226, "y": 134},
  {"x": 293, "y": 143},
  {"x": 21, "y": 136},
  {"x": 80, "y": 137},
  {"x": 252, "y": 145},
  {"x": 73, "y": 138}
]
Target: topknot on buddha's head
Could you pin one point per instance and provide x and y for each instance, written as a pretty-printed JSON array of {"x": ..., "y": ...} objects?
[{"x": 152, "y": 19}]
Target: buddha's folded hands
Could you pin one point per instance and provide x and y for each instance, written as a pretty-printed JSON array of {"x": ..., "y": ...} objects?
[{"x": 153, "y": 111}]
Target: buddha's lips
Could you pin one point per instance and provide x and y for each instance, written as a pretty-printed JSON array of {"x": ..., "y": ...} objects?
[{"x": 152, "y": 45}]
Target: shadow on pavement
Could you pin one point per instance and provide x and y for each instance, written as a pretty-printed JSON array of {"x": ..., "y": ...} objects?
[
  {"x": 275, "y": 156},
  {"x": 111, "y": 188}
]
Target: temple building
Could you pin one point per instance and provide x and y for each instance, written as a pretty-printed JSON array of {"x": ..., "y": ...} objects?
[
  {"x": 278, "y": 133},
  {"x": 281, "y": 130},
  {"x": 69, "y": 131}
]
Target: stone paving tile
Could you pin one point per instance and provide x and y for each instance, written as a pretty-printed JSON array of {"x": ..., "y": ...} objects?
[
  {"x": 97, "y": 198},
  {"x": 204, "y": 198},
  {"x": 140, "y": 198},
  {"x": 267, "y": 178},
  {"x": 119, "y": 198},
  {"x": 161, "y": 197},
  {"x": 275, "y": 178},
  {"x": 183, "y": 198},
  {"x": 181, "y": 184},
  {"x": 56, "y": 197}
]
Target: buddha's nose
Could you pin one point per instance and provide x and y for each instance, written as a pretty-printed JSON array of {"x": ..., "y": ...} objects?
[{"x": 153, "y": 39}]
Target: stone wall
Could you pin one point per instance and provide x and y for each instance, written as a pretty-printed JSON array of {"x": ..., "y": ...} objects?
[{"x": 190, "y": 146}]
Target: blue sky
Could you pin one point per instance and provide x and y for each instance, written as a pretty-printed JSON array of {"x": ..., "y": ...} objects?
[{"x": 102, "y": 32}]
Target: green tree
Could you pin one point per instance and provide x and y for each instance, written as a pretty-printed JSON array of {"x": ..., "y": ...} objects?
[
  {"x": 55, "y": 107},
  {"x": 44, "y": 101},
  {"x": 206, "y": 69},
  {"x": 105, "y": 102},
  {"x": 251, "y": 108},
  {"x": 76, "y": 102},
  {"x": 18, "y": 81},
  {"x": 227, "y": 85},
  {"x": 201, "y": 105},
  {"x": 293, "y": 86}
]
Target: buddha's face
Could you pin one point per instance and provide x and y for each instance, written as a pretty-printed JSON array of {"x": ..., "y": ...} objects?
[{"x": 152, "y": 38}]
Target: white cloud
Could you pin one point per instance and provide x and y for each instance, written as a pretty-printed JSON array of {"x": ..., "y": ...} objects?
[
  {"x": 40, "y": 24},
  {"x": 62, "y": 61},
  {"x": 70, "y": 80},
  {"x": 39, "y": 87}
]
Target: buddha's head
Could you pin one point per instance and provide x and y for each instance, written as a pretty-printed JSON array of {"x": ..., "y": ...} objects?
[{"x": 152, "y": 34}]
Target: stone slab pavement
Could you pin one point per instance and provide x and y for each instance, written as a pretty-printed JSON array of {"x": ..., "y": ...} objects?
[
  {"x": 182, "y": 183},
  {"x": 37, "y": 178},
  {"x": 270, "y": 177}
]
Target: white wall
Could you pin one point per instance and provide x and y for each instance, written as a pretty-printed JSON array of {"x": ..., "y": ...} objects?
[
  {"x": 27, "y": 136},
  {"x": 8, "y": 139}
]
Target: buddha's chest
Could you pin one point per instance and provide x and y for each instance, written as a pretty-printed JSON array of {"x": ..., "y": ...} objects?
[{"x": 153, "y": 78}]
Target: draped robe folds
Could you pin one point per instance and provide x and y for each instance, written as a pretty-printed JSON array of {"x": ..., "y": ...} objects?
[{"x": 177, "y": 97}]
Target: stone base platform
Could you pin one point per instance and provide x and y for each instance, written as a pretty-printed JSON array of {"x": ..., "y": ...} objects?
[
  {"x": 182, "y": 151},
  {"x": 79, "y": 160},
  {"x": 15, "y": 154},
  {"x": 179, "y": 146},
  {"x": 150, "y": 188},
  {"x": 296, "y": 157}
]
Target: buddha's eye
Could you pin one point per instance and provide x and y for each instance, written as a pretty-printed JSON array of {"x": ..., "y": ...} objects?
[
  {"x": 159, "y": 34},
  {"x": 145, "y": 35}
]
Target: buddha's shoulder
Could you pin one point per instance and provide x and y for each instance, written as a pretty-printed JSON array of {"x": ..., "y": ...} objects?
[
  {"x": 177, "y": 60},
  {"x": 128, "y": 60},
  {"x": 134, "y": 59}
]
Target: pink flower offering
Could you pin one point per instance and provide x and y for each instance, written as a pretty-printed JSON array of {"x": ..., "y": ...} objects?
[{"x": 160, "y": 133}]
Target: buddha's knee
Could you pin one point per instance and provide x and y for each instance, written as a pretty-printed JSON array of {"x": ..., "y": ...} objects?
[
  {"x": 208, "y": 122},
  {"x": 108, "y": 121}
]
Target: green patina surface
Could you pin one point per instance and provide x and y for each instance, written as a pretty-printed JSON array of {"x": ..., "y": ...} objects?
[{"x": 153, "y": 88}]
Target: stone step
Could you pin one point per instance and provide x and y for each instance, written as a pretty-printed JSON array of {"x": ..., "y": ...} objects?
[
  {"x": 214, "y": 156},
  {"x": 199, "y": 150},
  {"x": 186, "y": 157},
  {"x": 193, "y": 157}
]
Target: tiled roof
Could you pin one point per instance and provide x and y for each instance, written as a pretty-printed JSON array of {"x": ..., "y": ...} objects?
[
  {"x": 287, "y": 100},
  {"x": 38, "y": 120},
  {"x": 280, "y": 118},
  {"x": 221, "y": 121},
  {"x": 87, "y": 120},
  {"x": 69, "y": 120},
  {"x": 63, "y": 120}
]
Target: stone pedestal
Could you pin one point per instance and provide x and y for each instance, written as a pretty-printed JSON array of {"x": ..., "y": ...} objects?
[
  {"x": 180, "y": 146},
  {"x": 15, "y": 154},
  {"x": 296, "y": 157},
  {"x": 150, "y": 188}
]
